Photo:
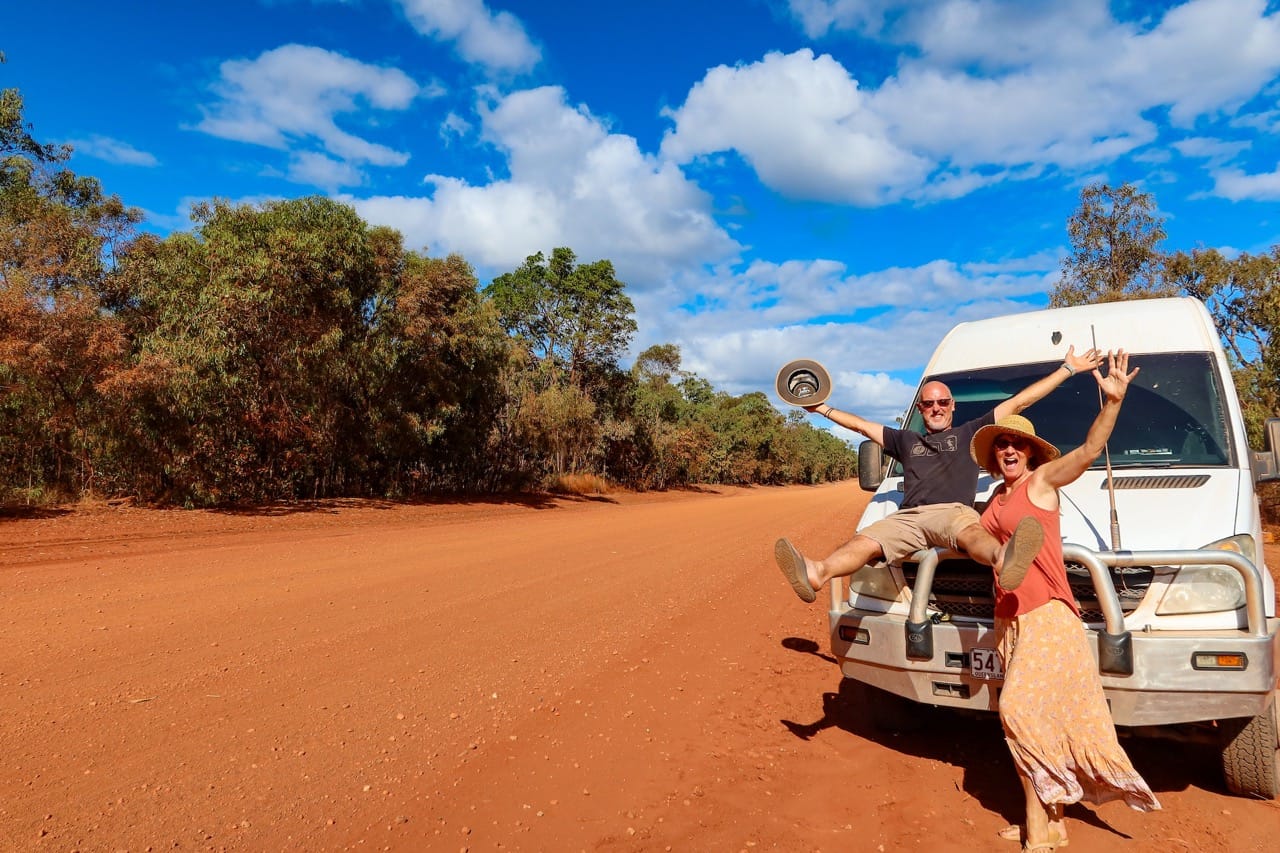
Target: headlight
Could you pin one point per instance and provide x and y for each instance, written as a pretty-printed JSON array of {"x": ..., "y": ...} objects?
[
  {"x": 874, "y": 581},
  {"x": 1208, "y": 589},
  {"x": 1241, "y": 544}
]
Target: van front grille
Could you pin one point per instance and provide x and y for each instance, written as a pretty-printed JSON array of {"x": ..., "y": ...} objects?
[{"x": 964, "y": 589}]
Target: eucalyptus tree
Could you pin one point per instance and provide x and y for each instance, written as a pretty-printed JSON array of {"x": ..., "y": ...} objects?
[
  {"x": 258, "y": 319},
  {"x": 60, "y": 341},
  {"x": 1115, "y": 237},
  {"x": 575, "y": 318},
  {"x": 443, "y": 384},
  {"x": 575, "y": 322},
  {"x": 1243, "y": 295}
]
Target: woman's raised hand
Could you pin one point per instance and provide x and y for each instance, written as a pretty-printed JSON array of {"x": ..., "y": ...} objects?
[
  {"x": 1087, "y": 360},
  {"x": 1116, "y": 383}
]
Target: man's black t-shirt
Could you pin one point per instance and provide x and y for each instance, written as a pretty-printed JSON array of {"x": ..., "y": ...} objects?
[{"x": 937, "y": 466}]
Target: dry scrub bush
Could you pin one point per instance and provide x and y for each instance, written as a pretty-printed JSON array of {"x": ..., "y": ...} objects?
[{"x": 580, "y": 484}]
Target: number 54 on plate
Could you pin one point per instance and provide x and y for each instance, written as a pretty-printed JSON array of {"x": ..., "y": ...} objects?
[{"x": 985, "y": 663}]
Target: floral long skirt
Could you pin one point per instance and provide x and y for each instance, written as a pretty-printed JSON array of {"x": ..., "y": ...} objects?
[{"x": 1055, "y": 714}]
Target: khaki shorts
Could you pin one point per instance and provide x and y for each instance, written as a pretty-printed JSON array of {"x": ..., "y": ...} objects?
[{"x": 908, "y": 530}]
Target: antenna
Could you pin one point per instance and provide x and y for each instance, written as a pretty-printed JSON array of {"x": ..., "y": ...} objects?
[{"x": 1106, "y": 450}]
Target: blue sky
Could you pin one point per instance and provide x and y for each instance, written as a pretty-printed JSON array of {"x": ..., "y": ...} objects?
[{"x": 773, "y": 179}]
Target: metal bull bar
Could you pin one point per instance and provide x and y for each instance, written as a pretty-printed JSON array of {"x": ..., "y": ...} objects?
[{"x": 1115, "y": 654}]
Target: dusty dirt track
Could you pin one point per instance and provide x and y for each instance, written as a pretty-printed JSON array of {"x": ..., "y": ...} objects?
[{"x": 627, "y": 673}]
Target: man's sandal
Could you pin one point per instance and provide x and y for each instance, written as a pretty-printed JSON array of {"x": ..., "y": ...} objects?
[{"x": 794, "y": 570}]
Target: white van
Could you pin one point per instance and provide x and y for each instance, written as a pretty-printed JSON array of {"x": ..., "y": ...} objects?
[{"x": 1164, "y": 555}]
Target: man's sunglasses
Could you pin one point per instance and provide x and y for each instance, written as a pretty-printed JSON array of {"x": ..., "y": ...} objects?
[{"x": 941, "y": 403}]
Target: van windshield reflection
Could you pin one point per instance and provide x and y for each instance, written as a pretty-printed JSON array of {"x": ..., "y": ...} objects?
[{"x": 1173, "y": 414}]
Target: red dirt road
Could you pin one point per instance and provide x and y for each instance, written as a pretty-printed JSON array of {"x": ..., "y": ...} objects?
[{"x": 623, "y": 674}]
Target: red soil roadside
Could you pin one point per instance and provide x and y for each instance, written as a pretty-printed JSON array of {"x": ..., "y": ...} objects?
[{"x": 624, "y": 673}]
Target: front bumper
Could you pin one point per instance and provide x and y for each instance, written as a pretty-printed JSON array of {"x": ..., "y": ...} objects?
[{"x": 1149, "y": 677}]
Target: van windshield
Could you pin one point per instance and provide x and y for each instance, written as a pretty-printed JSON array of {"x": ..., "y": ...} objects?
[{"x": 1172, "y": 415}]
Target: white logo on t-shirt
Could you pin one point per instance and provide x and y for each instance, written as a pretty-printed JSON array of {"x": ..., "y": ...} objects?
[{"x": 948, "y": 445}]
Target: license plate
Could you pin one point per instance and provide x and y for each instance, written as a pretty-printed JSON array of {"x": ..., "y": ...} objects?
[{"x": 985, "y": 663}]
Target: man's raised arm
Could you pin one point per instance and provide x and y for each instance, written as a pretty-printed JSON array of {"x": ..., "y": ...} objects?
[
  {"x": 1039, "y": 389},
  {"x": 850, "y": 421}
]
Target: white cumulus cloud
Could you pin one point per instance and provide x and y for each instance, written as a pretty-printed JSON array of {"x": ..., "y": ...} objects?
[
  {"x": 571, "y": 182},
  {"x": 871, "y": 330},
  {"x": 803, "y": 125},
  {"x": 319, "y": 170},
  {"x": 113, "y": 151},
  {"x": 984, "y": 91},
  {"x": 291, "y": 96},
  {"x": 1238, "y": 186},
  {"x": 495, "y": 40}
]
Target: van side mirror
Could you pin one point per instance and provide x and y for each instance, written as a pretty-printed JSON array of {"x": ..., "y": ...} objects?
[
  {"x": 871, "y": 465},
  {"x": 1266, "y": 463}
]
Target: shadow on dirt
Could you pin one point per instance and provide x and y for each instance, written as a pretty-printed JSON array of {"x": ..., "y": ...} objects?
[
  {"x": 975, "y": 743},
  {"x": 594, "y": 499},
  {"x": 19, "y": 513},
  {"x": 808, "y": 647},
  {"x": 330, "y": 506},
  {"x": 541, "y": 500}
]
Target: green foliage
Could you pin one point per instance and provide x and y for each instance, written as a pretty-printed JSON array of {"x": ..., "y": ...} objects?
[
  {"x": 576, "y": 319},
  {"x": 59, "y": 237},
  {"x": 666, "y": 445},
  {"x": 1115, "y": 237},
  {"x": 1115, "y": 255},
  {"x": 258, "y": 321},
  {"x": 439, "y": 388},
  {"x": 687, "y": 433},
  {"x": 1243, "y": 295},
  {"x": 289, "y": 350},
  {"x": 573, "y": 322},
  {"x": 15, "y": 133}
]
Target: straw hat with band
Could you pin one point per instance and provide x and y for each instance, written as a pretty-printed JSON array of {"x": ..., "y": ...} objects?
[{"x": 984, "y": 439}]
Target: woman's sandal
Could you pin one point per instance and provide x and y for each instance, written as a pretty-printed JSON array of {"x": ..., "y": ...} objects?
[{"x": 1013, "y": 832}]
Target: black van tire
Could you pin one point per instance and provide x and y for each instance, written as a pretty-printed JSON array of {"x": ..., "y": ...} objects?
[{"x": 1251, "y": 754}]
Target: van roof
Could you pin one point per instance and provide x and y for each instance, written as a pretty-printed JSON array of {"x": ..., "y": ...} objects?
[{"x": 1177, "y": 324}]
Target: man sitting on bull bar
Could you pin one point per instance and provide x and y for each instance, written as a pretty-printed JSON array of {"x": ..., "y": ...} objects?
[{"x": 939, "y": 483}]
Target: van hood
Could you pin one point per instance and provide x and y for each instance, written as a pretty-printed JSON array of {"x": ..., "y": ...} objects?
[{"x": 1161, "y": 509}]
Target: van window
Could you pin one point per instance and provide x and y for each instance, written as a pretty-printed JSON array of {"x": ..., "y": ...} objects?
[{"x": 1173, "y": 414}]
